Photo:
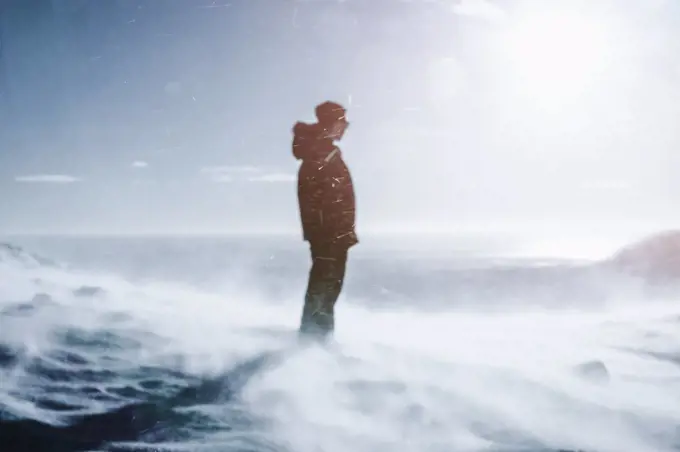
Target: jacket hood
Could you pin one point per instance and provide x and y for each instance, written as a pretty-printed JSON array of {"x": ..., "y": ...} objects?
[{"x": 309, "y": 142}]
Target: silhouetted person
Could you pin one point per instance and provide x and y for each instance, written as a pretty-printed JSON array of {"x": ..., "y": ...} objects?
[{"x": 327, "y": 211}]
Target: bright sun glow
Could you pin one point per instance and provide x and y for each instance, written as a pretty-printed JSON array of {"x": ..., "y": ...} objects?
[{"x": 557, "y": 54}]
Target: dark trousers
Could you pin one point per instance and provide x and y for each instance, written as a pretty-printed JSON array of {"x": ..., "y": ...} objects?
[{"x": 323, "y": 289}]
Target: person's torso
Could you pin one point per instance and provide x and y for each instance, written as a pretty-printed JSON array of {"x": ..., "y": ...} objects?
[{"x": 331, "y": 176}]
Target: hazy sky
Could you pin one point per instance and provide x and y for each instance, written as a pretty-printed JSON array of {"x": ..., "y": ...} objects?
[{"x": 176, "y": 115}]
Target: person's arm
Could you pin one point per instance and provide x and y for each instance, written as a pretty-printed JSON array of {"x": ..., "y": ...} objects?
[
  {"x": 347, "y": 220},
  {"x": 340, "y": 208}
]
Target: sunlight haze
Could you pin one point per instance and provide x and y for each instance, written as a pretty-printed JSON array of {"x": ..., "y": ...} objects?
[{"x": 175, "y": 117}]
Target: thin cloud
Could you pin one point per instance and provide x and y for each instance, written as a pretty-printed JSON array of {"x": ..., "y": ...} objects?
[
  {"x": 230, "y": 169},
  {"x": 228, "y": 173},
  {"x": 139, "y": 164},
  {"x": 273, "y": 177},
  {"x": 244, "y": 173},
  {"x": 143, "y": 182},
  {"x": 222, "y": 178},
  {"x": 483, "y": 9},
  {"x": 47, "y": 179}
]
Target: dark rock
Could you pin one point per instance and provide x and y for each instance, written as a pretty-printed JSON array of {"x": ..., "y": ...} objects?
[
  {"x": 88, "y": 291},
  {"x": 594, "y": 371}
]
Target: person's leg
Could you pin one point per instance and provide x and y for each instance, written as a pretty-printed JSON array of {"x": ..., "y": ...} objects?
[
  {"x": 326, "y": 279},
  {"x": 311, "y": 296}
]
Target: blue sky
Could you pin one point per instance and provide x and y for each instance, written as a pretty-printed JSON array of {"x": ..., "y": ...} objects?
[{"x": 125, "y": 116}]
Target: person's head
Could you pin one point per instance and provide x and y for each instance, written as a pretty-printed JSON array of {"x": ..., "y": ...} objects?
[{"x": 333, "y": 118}]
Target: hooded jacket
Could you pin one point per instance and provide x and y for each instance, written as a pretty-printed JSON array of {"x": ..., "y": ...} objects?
[{"x": 325, "y": 190}]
